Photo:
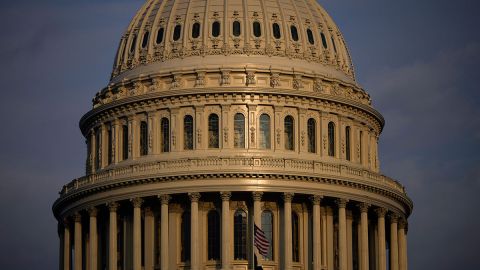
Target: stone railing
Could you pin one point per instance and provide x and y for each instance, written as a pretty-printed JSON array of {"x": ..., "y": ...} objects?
[{"x": 231, "y": 165}]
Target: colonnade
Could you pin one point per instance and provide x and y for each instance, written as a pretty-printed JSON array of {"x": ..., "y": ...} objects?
[{"x": 327, "y": 253}]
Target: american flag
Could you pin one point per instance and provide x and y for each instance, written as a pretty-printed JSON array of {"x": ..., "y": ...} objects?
[{"x": 261, "y": 242}]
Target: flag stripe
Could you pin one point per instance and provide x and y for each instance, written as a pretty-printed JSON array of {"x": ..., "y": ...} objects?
[{"x": 261, "y": 241}]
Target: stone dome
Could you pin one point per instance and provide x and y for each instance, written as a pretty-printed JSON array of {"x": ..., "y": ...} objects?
[
  {"x": 181, "y": 34},
  {"x": 224, "y": 114}
]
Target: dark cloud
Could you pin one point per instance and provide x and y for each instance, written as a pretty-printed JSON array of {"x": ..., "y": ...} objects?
[{"x": 418, "y": 59}]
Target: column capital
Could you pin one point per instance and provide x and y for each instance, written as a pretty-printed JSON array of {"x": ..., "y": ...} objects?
[
  {"x": 93, "y": 211},
  {"x": 65, "y": 222},
  {"x": 393, "y": 217},
  {"x": 194, "y": 196},
  {"x": 341, "y": 203},
  {"x": 381, "y": 212},
  {"x": 148, "y": 211},
  {"x": 288, "y": 196},
  {"x": 402, "y": 223},
  {"x": 225, "y": 195},
  {"x": 137, "y": 202},
  {"x": 363, "y": 207},
  {"x": 316, "y": 199},
  {"x": 164, "y": 198},
  {"x": 257, "y": 195},
  {"x": 77, "y": 217},
  {"x": 113, "y": 206}
]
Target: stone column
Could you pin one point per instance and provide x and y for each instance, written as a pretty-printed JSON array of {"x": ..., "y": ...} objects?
[
  {"x": 149, "y": 240},
  {"x": 194, "y": 237},
  {"x": 137, "y": 233},
  {"x": 330, "y": 240},
  {"x": 323, "y": 230},
  {"x": 78, "y": 241},
  {"x": 317, "y": 244},
  {"x": 93, "y": 239},
  {"x": 287, "y": 207},
  {"x": 342, "y": 234},
  {"x": 257, "y": 217},
  {"x": 164, "y": 199},
  {"x": 349, "y": 240},
  {"x": 393, "y": 242},
  {"x": 112, "y": 236},
  {"x": 402, "y": 255},
  {"x": 363, "y": 207},
  {"x": 226, "y": 195},
  {"x": 382, "y": 258},
  {"x": 66, "y": 245}
]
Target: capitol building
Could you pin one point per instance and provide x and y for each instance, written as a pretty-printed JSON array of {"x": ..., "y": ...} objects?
[{"x": 223, "y": 115}]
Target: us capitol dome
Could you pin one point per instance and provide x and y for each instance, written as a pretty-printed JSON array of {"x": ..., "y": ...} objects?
[{"x": 223, "y": 115}]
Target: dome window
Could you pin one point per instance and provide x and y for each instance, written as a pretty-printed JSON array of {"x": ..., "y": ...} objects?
[
  {"x": 334, "y": 47},
  {"x": 176, "y": 32},
  {"x": 216, "y": 29},
  {"x": 257, "y": 29},
  {"x": 311, "y": 40},
  {"x": 236, "y": 28},
  {"x": 324, "y": 40},
  {"x": 160, "y": 35},
  {"x": 134, "y": 42},
  {"x": 276, "y": 31},
  {"x": 145, "y": 39},
  {"x": 196, "y": 30},
  {"x": 294, "y": 32}
]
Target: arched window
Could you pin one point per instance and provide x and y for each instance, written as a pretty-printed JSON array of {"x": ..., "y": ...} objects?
[
  {"x": 98, "y": 139},
  {"x": 213, "y": 235},
  {"x": 276, "y": 30},
  {"x": 289, "y": 133},
  {"x": 160, "y": 35},
  {"x": 145, "y": 39},
  {"x": 216, "y": 29},
  {"x": 196, "y": 30},
  {"x": 213, "y": 131},
  {"x": 188, "y": 132},
  {"x": 239, "y": 130},
  {"x": 294, "y": 32},
  {"x": 132, "y": 45},
  {"x": 257, "y": 29},
  {"x": 143, "y": 138},
  {"x": 185, "y": 237},
  {"x": 176, "y": 32},
  {"x": 361, "y": 146},
  {"x": 264, "y": 139},
  {"x": 324, "y": 40},
  {"x": 236, "y": 28},
  {"x": 311, "y": 130},
  {"x": 109, "y": 146},
  {"x": 240, "y": 235},
  {"x": 125, "y": 142},
  {"x": 331, "y": 139},
  {"x": 311, "y": 40},
  {"x": 334, "y": 46},
  {"x": 347, "y": 143},
  {"x": 295, "y": 238},
  {"x": 267, "y": 227},
  {"x": 165, "y": 134}
]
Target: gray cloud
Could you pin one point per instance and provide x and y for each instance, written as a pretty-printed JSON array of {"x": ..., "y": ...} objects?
[{"x": 418, "y": 59}]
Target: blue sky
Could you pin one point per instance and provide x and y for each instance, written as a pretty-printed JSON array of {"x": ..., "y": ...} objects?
[{"x": 419, "y": 60}]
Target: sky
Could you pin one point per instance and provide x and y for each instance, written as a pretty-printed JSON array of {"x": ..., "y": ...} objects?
[{"x": 418, "y": 59}]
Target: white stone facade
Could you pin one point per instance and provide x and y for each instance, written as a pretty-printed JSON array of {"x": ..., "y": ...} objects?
[{"x": 204, "y": 131}]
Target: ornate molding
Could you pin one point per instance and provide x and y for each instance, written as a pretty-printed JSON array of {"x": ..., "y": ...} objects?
[
  {"x": 257, "y": 195},
  {"x": 164, "y": 198},
  {"x": 225, "y": 195},
  {"x": 194, "y": 196},
  {"x": 136, "y": 202},
  {"x": 288, "y": 196}
]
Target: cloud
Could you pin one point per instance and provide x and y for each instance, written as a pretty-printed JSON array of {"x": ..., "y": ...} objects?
[{"x": 430, "y": 144}]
